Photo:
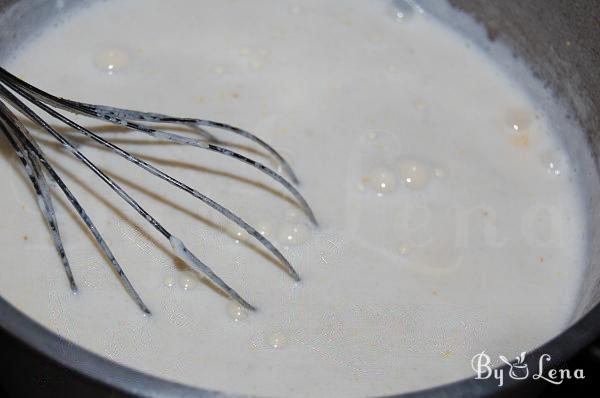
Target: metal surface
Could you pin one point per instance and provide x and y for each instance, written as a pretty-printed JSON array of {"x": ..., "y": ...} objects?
[{"x": 560, "y": 40}]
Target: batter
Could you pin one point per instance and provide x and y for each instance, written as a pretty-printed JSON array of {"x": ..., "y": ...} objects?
[{"x": 448, "y": 210}]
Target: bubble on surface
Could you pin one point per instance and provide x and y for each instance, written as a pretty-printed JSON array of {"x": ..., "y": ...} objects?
[
  {"x": 414, "y": 174},
  {"x": 552, "y": 163},
  {"x": 293, "y": 234},
  {"x": 403, "y": 10},
  {"x": 111, "y": 61},
  {"x": 188, "y": 280},
  {"x": 265, "y": 228},
  {"x": 236, "y": 311},
  {"x": 381, "y": 180},
  {"x": 277, "y": 340},
  {"x": 237, "y": 233},
  {"x": 169, "y": 281}
]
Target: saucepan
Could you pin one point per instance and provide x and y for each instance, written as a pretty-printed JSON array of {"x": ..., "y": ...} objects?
[{"x": 558, "y": 40}]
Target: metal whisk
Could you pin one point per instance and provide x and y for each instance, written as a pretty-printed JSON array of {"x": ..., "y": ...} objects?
[{"x": 39, "y": 169}]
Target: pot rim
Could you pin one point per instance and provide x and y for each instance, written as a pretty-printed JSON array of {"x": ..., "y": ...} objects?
[
  {"x": 123, "y": 379},
  {"x": 130, "y": 381}
]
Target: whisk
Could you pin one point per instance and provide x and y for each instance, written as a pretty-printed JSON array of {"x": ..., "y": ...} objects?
[{"x": 40, "y": 171}]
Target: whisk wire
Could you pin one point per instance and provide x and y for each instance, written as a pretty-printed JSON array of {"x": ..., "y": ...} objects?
[
  {"x": 14, "y": 126},
  {"x": 156, "y": 172},
  {"x": 32, "y": 156},
  {"x": 121, "y": 117},
  {"x": 32, "y": 168},
  {"x": 191, "y": 260},
  {"x": 118, "y": 115}
]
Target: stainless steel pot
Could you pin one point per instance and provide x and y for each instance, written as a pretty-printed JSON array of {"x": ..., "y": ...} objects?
[{"x": 559, "y": 40}]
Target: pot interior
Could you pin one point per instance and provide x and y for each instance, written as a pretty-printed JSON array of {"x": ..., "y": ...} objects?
[{"x": 559, "y": 41}]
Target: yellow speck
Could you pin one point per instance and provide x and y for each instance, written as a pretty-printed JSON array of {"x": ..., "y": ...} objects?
[
  {"x": 219, "y": 70},
  {"x": 199, "y": 99},
  {"x": 419, "y": 104},
  {"x": 403, "y": 248},
  {"x": 255, "y": 64},
  {"x": 520, "y": 140},
  {"x": 375, "y": 38},
  {"x": 568, "y": 43},
  {"x": 446, "y": 354},
  {"x": 393, "y": 69}
]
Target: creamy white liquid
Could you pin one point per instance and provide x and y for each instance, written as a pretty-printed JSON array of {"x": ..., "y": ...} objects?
[{"x": 450, "y": 219}]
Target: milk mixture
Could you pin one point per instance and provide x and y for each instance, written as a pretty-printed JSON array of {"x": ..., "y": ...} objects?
[{"x": 450, "y": 219}]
